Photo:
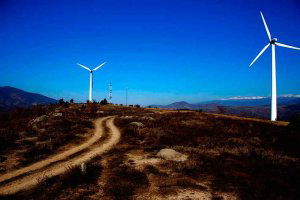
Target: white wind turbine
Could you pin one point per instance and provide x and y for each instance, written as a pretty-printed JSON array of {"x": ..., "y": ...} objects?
[
  {"x": 91, "y": 78},
  {"x": 273, "y": 42}
]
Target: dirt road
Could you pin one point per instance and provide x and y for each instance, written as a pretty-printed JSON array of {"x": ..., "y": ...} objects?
[{"x": 41, "y": 170}]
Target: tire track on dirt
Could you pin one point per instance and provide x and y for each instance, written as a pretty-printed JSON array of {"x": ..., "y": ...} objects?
[{"x": 61, "y": 167}]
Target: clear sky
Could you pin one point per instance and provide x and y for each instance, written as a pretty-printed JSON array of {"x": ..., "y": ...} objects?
[{"x": 162, "y": 50}]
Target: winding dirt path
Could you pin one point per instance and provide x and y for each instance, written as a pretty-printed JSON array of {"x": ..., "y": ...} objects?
[
  {"x": 61, "y": 156},
  {"x": 43, "y": 172}
]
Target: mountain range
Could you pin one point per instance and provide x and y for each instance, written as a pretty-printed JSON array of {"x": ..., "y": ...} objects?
[
  {"x": 255, "y": 106},
  {"x": 243, "y": 106},
  {"x": 11, "y": 97}
]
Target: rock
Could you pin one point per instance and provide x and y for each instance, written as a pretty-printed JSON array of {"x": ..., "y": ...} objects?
[
  {"x": 136, "y": 124},
  {"x": 148, "y": 118},
  {"x": 126, "y": 117},
  {"x": 22, "y": 134},
  {"x": 2, "y": 169},
  {"x": 38, "y": 119},
  {"x": 57, "y": 114},
  {"x": 34, "y": 127},
  {"x": 255, "y": 141},
  {"x": 29, "y": 140},
  {"x": 44, "y": 145},
  {"x": 170, "y": 154},
  {"x": 41, "y": 130}
]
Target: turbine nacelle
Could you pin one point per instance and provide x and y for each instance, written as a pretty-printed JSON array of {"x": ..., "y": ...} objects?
[{"x": 273, "y": 41}]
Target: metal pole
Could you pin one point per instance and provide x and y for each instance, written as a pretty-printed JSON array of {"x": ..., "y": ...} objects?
[
  {"x": 110, "y": 92},
  {"x": 126, "y": 96}
]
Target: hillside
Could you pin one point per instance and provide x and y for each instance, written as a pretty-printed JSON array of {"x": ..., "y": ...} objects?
[
  {"x": 160, "y": 155},
  {"x": 177, "y": 105},
  {"x": 11, "y": 97}
]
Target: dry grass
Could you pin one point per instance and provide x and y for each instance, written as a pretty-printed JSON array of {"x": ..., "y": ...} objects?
[
  {"x": 34, "y": 140},
  {"x": 239, "y": 158},
  {"x": 29, "y": 135},
  {"x": 253, "y": 159},
  {"x": 65, "y": 186}
]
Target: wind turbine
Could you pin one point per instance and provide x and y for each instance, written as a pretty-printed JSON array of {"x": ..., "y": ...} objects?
[
  {"x": 91, "y": 78},
  {"x": 273, "y": 42}
]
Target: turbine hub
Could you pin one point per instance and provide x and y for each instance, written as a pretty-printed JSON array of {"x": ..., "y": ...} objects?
[{"x": 273, "y": 41}]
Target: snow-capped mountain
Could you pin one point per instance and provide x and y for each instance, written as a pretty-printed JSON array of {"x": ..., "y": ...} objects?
[
  {"x": 250, "y": 106},
  {"x": 286, "y": 99}
]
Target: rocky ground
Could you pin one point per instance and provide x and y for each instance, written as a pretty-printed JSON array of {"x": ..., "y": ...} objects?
[{"x": 186, "y": 155}]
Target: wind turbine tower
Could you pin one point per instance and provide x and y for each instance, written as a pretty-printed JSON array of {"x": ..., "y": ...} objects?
[
  {"x": 91, "y": 78},
  {"x": 273, "y": 42}
]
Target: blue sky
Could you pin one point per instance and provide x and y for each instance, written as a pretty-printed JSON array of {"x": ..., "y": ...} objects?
[{"x": 162, "y": 50}]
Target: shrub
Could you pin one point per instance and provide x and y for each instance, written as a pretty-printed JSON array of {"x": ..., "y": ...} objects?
[
  {"x": 61, "y": 101},
  {"x": 295, "y": 121},
  {"x": 104, "y": 102},
  {"x": 74, "y": 177},
  {"x": 7, "y": 138},
  {"x": 124, "y": 180}
]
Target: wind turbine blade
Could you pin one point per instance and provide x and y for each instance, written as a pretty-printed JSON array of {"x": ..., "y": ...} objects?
[
  {"x": 286, "y": 46},
  {"x": 261, "y": 52},
  {"x": 266, "y": 26},
  {"x": 99, "y": 66},
  {"x": 83, "y": 67}
]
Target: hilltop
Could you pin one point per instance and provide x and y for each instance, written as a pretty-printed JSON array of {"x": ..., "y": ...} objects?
[
  {"x": 161, "y": 154},
  {"x": 11, "y": 97}
]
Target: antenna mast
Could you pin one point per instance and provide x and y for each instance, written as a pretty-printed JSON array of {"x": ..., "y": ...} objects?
[
  {"x": 126, "y": 96},
  {"x": 110, "y": 92}
]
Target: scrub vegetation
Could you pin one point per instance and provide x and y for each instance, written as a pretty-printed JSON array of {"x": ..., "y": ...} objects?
[{"x": 227, "y": 157}]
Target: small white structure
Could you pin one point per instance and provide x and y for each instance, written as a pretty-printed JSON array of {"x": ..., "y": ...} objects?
[{"x": 83, "y": 168}]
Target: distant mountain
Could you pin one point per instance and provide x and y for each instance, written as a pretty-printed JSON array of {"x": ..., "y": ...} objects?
[
  {"x": 244, "y": 106},
  {"x": 177, "y": 105},
  {"x": 12, "y": 97},
  {"x": 256, "y": 101}
]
